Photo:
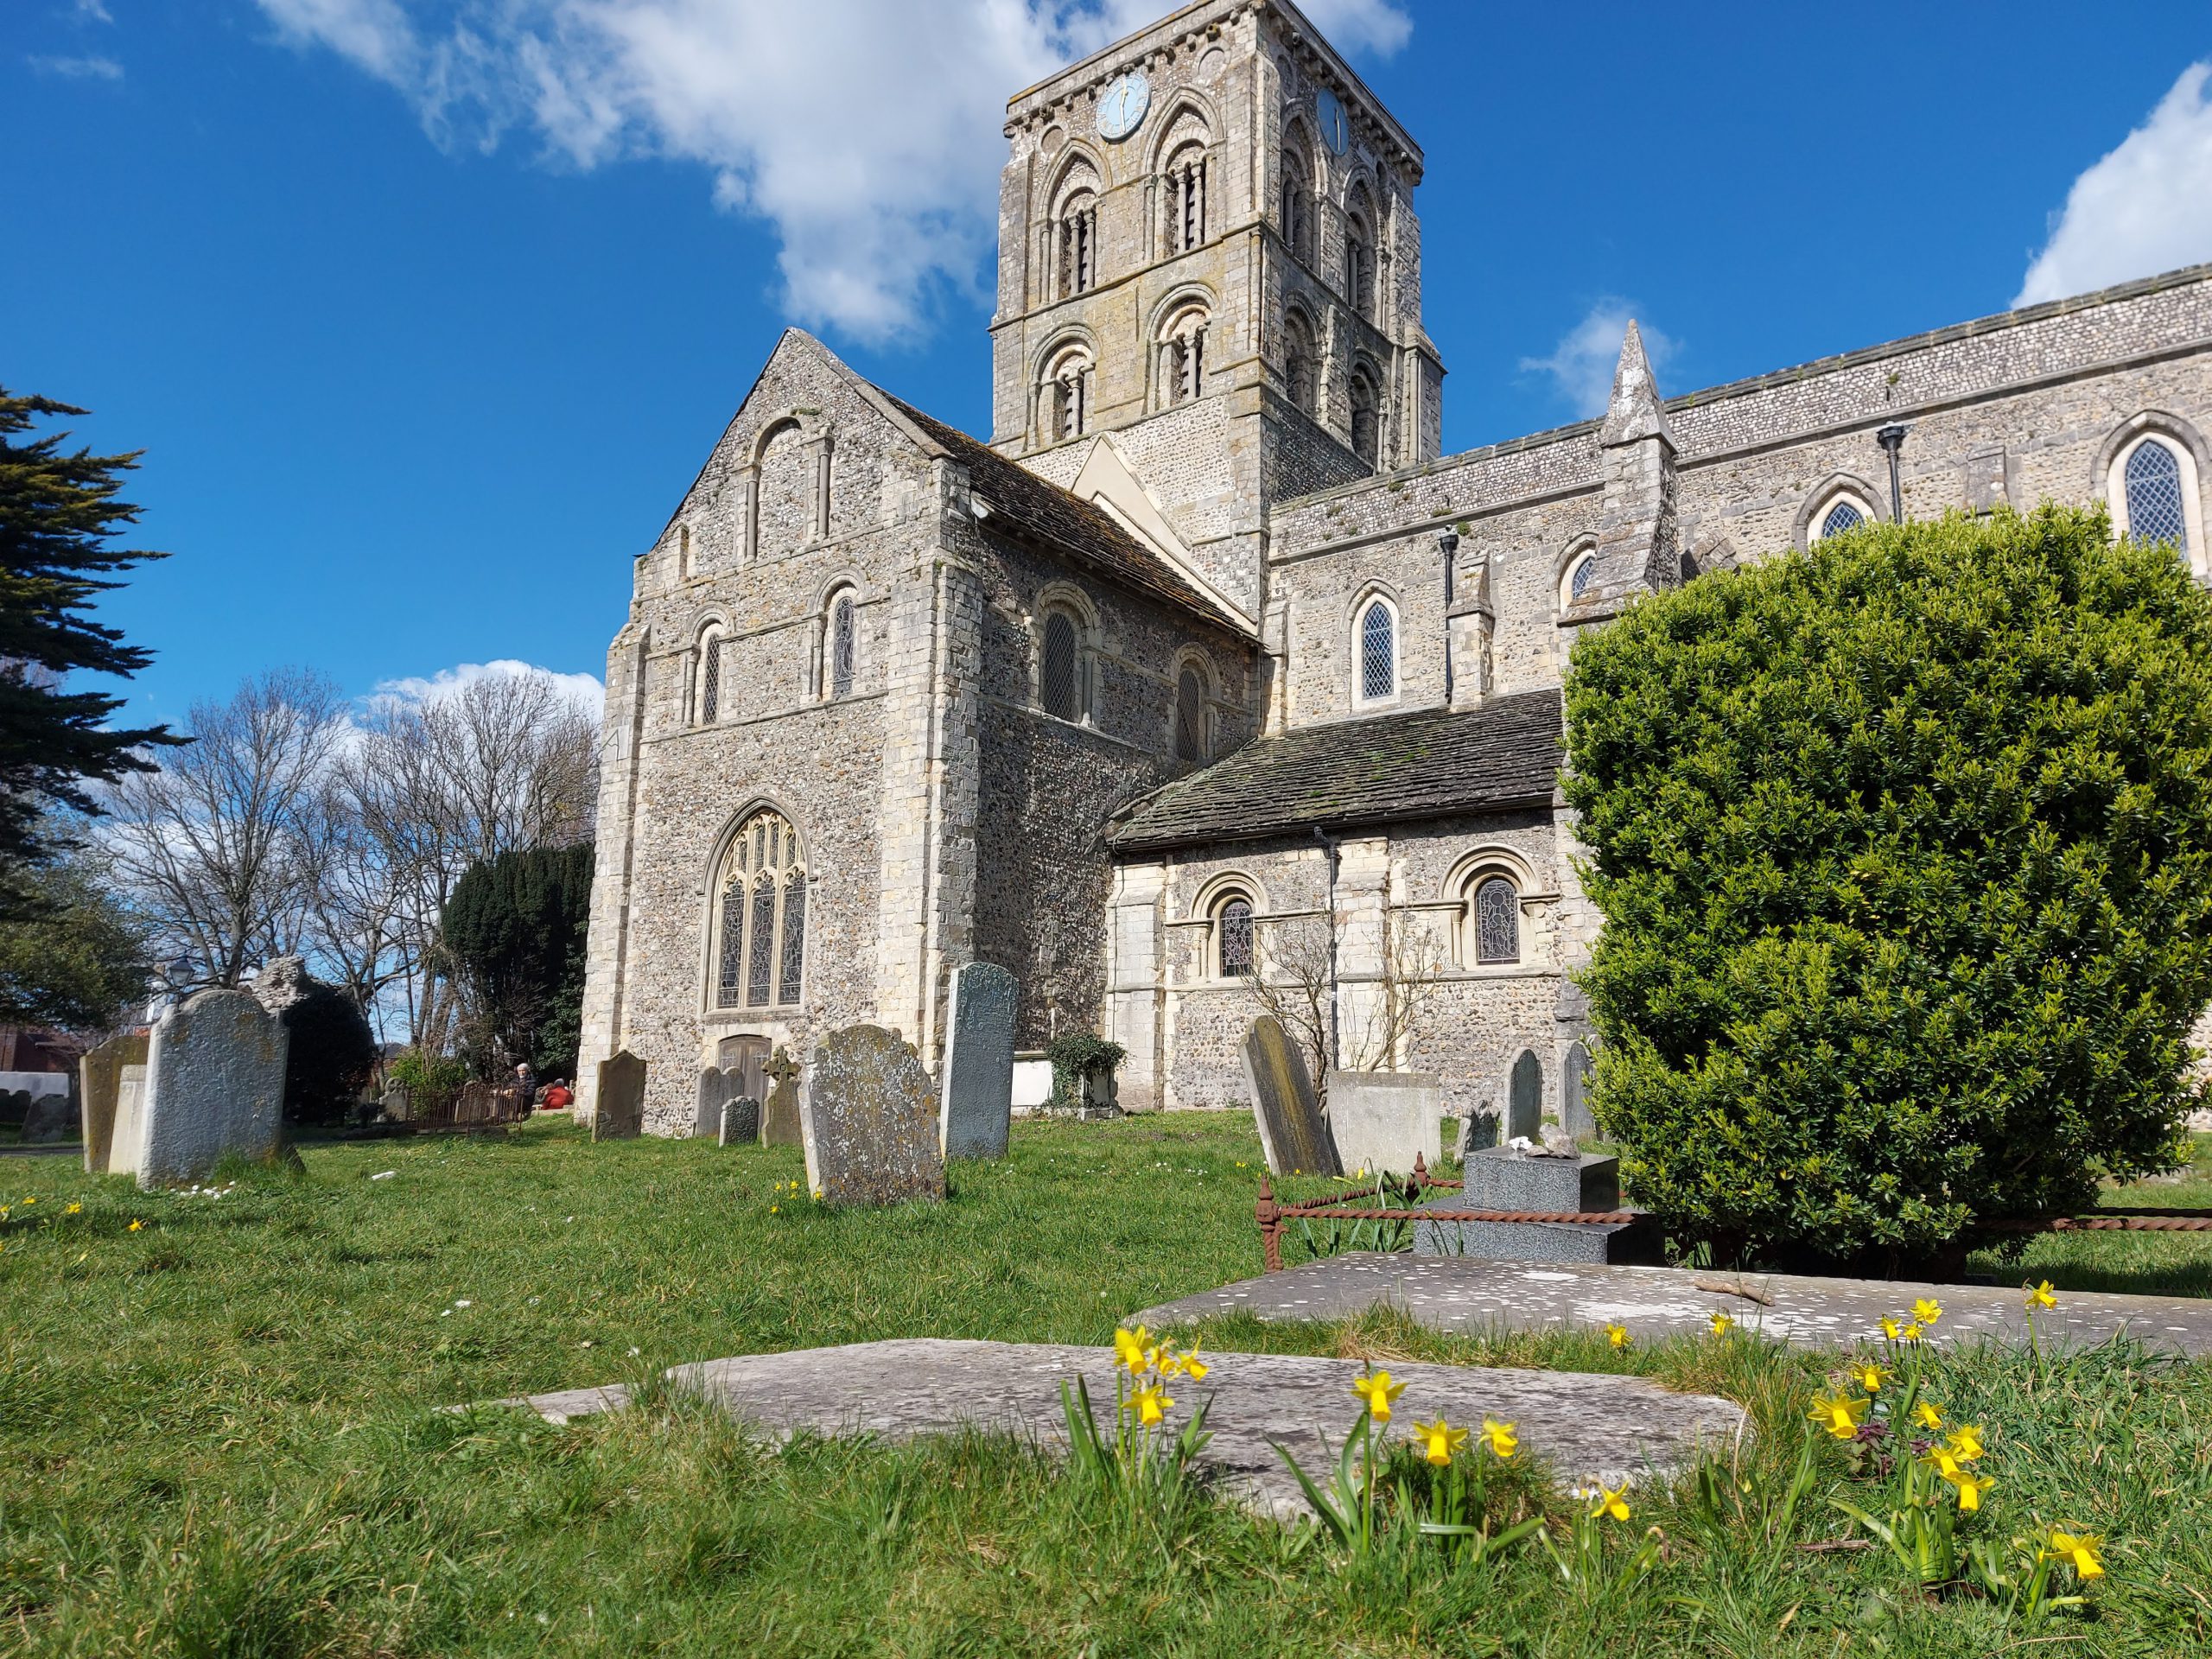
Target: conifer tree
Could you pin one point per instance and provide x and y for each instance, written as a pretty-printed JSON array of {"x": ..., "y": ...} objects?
[{"x": 59, "y": 513}]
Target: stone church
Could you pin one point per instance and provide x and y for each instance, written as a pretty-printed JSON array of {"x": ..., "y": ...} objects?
[{"x": 1208, "y": 661}]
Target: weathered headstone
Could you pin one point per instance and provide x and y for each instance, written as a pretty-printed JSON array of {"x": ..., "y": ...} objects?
[
  {"x": 1292, "y": 1131},
  {"x": 214, "y": 1086},
  {"x": 50, "y": 1118},
  {"x": 867, "y": 1121},
  {"x": 716, "y": 1090},
  {"x": 1381, "y": 1121},
  {"x": 1575, "y": 1092},
  {"x": 740, "y": 1124},
  {"x": 977, "y": 1098},
  {"x": 1503, "y": 1179},
  {"x": 99, "y": 1075},
  {"x": 479, "y": 1102},
  {"x": 621, "y": 1114},
  {"x": 1524, "y": 1111},
  {"x": 128, "y": 1141},
  {"x": 780, "y": 1113}
]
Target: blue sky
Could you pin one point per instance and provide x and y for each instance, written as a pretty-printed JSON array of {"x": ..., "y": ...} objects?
[{"x": 427, "y": 310}]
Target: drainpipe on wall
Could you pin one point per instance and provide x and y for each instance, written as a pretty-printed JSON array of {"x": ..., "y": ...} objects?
[
  {"x": 1329, "y": 851},
  {"x": 1449, "y": 541},
  {"x": 1891, "y": 438}
]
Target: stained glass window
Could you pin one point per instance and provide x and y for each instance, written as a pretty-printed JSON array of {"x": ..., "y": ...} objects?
[
  {"x": 1845, "y": 515},
  {"x": 1057, "y": 682},
  {"x": 1498, "y": 921},
  {"x": 840, "y": 647},
  {"x": 1233, "y": 923},
  {"x": 711, "y": 679},
  {"x": 1190, "y": 717},
  {"x": 794, "y": 936},
  {"x": 2154, "y": 500},
  {"x": 760, "y": 935},
  {"x": 1378, "y": 655},
  {"x": 730, "y": 959}
]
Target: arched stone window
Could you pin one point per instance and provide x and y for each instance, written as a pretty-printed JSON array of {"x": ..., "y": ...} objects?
[
  {"x": 1845, "y": 510},
  {"x": 1366, "y": 417},
  {"x": 1376, "y": 633},
  {"x": 1078, "y": 244},
  {"x": 684, "y": 571},
  {"x": 1575, "y": 575},
  {"x": 1063, "y": 665},
  {"x": 1183, "y": 355},
  {"x": 708, "y": 700},
  {"x": 761, "y": 927},
  {"x": 1493, "y": 924},
  {"x": 788, "y": 492},
  {"x": 2155, "y": 487},
  {"x": 1183, "y": 190},
  {"x": 1064, "y": 400},
  {"x": 1359, "y": 254},
  {"x": 1231, "y": 935},
  {"x": 1299, "y": 371},
  {"x": 841, "y": 645},
  {"x": 1191, "y": 743},
  {"x": 1297, "y": 205}
]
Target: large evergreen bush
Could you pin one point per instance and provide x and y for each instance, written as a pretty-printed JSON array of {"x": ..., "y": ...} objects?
[
  {"x": 516, "y": 928},
  {"x": 1904, "y": 850}
]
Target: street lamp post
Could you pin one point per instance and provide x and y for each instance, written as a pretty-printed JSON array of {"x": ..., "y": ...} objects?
[{"x": 1891, "y": 438}]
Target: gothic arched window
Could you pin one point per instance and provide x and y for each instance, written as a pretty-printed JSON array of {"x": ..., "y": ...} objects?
[
  {"x": 1183, "y": 355},
  {"x": 1297, "y": 208},
  {"x": 1232, "y": 937},
  {"x": 1845, "y": 510},
  {"x": 1298, "y": 365},
  {"x": 1579, "y": 569},
  {"x": 1184, "y": 182},
  {"x": 2156, "y": 506},
  {"x": 1078, "y": 240},
  {"x": 1359, "y": 256},
  {"x": 1378, "y": 652},
  {"x": 1059, "y": 671},
  {"x": 1496, "y": 921},
  {"x": 761, "y": 933},
  {"x": 710, "y": 676},
  {"x": 1190, "y": 716},
  {"x": 843, "y": 645},
  {"x": 1064, "y": 399},
  {"x": 1366, "y": 418}
]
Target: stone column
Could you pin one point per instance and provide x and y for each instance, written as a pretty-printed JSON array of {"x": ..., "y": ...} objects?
[
  {"x": 606, "y": 959},
  {"x": 1135, "y": 983}
]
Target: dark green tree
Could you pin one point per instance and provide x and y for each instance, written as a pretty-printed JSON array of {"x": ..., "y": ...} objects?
[
  {"x": 71, "y": 957},
  {"x": 515, "y": 931},
  {"x": 1904, "y": 851},
  {"x": 59, "y": 511}
]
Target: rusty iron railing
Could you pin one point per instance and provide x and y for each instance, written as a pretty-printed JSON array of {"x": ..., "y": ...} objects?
[{"x": 471, "y": 1106}]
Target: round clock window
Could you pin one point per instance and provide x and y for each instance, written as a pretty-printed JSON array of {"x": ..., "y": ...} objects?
[
  {"x": 1121, "y": 109},
  {"x": 1336, "y": 126}
]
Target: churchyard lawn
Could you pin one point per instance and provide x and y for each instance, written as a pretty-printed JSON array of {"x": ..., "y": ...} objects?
[{"x": 218, "y": 1435}]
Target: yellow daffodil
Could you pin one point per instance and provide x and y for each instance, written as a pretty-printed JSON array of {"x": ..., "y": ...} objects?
[
  {"x": 1129, "y": 1349},
  {"x": 2079, "y": 1551},
  {"x": 1943, "y": 1462},
  {"x": 1169, "y": 1362},
  {"x": 1191, "y": 1366},
  {"x": 1439, "y": 1440},
  {"x": 1890, "y": 1328},
  {"x": 72, "y": 1209},
  {"x": 1500, "y": 1438},
  {"x": 1928, "y": 1415},
  {"x": 1610, "y": 1503},
  {"x": 1970, "y": 1486},
  {"x": 1965, "y": 1443},
  {"x": 1912, "y": 1332},
  {"x": 1722, "y": 1325},
  {"x": 133, "y": 1226},
  {"x": 1618, "y": 1336},
  {"x": 1150, "y": 1404},
  {"x": 1869, "y": 1377},
  {"x": 28, "y": 1202},
  {"x": 1840, "y": 1414},
  {"x": 2040, "y": 1296},
  {"x": 1927, "y": 1312},
  {"x": 1379, "y": 1392}
]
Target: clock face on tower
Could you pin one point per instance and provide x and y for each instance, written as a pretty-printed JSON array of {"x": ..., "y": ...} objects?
[
  {"x": 1336, "y": 129},
  {"x": 1120, "y": 109}
]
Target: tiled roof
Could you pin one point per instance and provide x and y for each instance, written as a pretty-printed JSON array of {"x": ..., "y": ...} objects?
[
  {"x": 1071, "y": 525},
  {"x": 1420, "y": 765}
]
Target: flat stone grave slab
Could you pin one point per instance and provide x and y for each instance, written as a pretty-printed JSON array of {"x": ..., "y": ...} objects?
[
  {"x": 1618, "y": 1428},
  {"x": 1465, "y": 1294}
]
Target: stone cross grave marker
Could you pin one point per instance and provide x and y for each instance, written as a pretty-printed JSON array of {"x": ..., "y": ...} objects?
[
  {"x": 1292, "y": 1131},
  {"x": 214, "y": 1086},
  {"x": 1382, "y": 1120},
  {"x": 976, "y": 1101},
  {"x": 867, "y": 1121},
  {"x": 716, "y": 1089},
  {"x": 741, "y": 1125},
  {"x": 780, "y": 1113},
  {"x": 621, "y": 1114},
  {"x": 99, "y": 1081}
]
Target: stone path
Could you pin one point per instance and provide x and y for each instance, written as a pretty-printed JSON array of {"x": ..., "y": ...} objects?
[
  {"x": 1621, "y": 1428},
  {"x": 1458, "y": 1294}
]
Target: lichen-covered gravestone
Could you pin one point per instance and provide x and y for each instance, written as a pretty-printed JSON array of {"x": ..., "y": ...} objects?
[
  {"x": 1292, "y": 1131},
  {"x": 621, "y": 1114},
  {"x": 100, "y": 1083},
  {"x": 868, "y": 1122},
  {"x": 741, "y": 1125},
  {"x": 214, "y": 1086},
  {"x": 779, "y": 1125},
  {"x": 976, "y": 1103}
]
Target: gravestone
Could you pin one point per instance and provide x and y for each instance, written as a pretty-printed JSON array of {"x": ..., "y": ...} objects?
[
  {"x": 716, "y": 1090},
  {"x": 1574, "y": 1093},
  {"x": 866, "y": 1119},
  {"x": 746, "y": 1059},
  {"x": 740, "y": 1124},
  {"x": 1538, "y": 1183},
  {"x": 50, "y": 1118},
  {"x": 977, "y": 1099},
  {"x": 395, "y": 1104},
  {"x": 479, "y": 1102},
  {"x": 214, "y": 1086},
  {"x": 780, "y": 1113},
  {"x": 1524, "y": 1111},
  {"x": 1381, "y": 1121},
  {"x": 1293, "y": 1133},
  {"x": 128, "y": 1139},
  {"x": 621, "y": 1114}
]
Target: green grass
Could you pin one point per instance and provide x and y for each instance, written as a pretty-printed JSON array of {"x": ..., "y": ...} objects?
[{"x": 215, "y": 1432}]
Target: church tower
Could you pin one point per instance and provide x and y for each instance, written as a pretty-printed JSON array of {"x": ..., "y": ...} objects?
[{"x": 1208, "y": 252}]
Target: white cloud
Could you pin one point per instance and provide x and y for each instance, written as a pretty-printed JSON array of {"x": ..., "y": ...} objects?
[
  {"x": 867, "y": 131},
  {"x": 2144, "y": 208},
  {"x": 1581, "y": 366},
  {"x": 79, "y": 68},
  {"x": 583, "y": 690},
  {"x": 94, "y": 11}
]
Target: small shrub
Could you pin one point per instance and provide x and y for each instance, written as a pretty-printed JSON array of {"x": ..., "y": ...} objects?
[{"x": 1074, "y": 1058}]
